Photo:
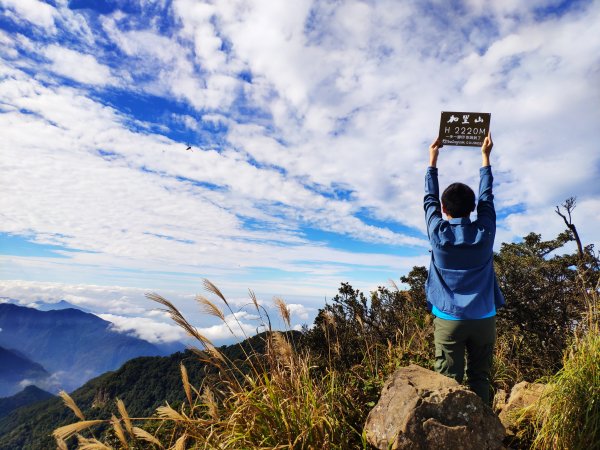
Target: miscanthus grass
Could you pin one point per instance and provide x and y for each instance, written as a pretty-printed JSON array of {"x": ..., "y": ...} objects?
[
  {"x": 273, "y": 399},
  {"x": 568, "y": 414},
  {"x": 567, "y": 417}
]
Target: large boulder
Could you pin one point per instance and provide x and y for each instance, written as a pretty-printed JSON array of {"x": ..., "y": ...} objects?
[{"x": 420, "y": 409}]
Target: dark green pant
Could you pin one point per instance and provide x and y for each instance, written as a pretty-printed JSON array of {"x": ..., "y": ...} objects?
[{"x": 477, "y": 337}]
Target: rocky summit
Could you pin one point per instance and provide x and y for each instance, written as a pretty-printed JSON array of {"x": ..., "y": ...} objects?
[{"x": 420, "y": 409}]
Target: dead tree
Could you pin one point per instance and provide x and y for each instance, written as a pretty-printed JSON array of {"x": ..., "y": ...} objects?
[{"x": 569, "y": 206}]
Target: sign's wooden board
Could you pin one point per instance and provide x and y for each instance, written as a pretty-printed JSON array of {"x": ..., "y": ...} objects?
[{"x": 464, "y": 128}]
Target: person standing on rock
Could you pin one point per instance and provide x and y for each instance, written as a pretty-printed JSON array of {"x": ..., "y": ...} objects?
[{"x": 462, "y": 289}]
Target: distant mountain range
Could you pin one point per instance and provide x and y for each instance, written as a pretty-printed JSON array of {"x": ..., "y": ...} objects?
[
  {"x": 69, "y": 345},
  {"x": 43, "y": 306},
  {"x": 63, "y": 304}
]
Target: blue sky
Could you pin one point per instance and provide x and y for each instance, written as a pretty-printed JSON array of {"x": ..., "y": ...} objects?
[{"x": 308, "y": 123}]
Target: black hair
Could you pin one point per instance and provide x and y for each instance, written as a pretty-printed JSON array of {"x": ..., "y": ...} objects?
[{"x": 459, "y": 200}]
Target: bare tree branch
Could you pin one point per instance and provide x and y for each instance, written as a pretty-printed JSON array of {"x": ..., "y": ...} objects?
[{"x": 569, "y": 205}]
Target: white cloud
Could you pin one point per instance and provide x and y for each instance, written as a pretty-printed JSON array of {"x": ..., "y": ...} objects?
[
  {"x": 547, "y": 63},
  {"x": 236, "y": 326},
  {"x": 113, "y": 208},
  {"x": 197, "y": 27},
  {"x": 34, "y": 11},
  {"x": 110, "y": 299},
  {"x": 165, "y": 67},
  {"x": 545, "y": 221},
  {"x": 145, "y": 328},
  {"x": 186, "y": 120},
  {"x": 298, "y": 310},
  {"x": 131, "y": 312},
  {"x": 78, "y": 66}
]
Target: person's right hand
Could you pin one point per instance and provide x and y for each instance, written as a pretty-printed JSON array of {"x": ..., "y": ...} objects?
[{"x": 486, "y": 147}]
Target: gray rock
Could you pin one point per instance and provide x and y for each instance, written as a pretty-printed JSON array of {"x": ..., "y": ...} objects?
[
  {"x": 522, "y": 395},
  {"x": 499, "y": 400},
  {"x": 420, "y": 409}
]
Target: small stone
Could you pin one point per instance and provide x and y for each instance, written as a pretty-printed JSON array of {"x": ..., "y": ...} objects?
[{"x": 499, "y": 400}]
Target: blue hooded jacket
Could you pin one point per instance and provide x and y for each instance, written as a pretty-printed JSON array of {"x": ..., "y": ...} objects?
[{"x": 462, "y": 283}]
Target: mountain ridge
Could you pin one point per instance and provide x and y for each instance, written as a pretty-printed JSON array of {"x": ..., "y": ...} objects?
[
  {"x": 15, "y": 368},
  {"x": 30, "y": 395},
  {"x": 71, "y": 344}
]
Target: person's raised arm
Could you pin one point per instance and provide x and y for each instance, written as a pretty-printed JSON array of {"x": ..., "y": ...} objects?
[
  {"x": 434, "y": 151},
  {"x": 431, "y": 202},
  {"x": 486, "y": 213},
  {"x": 486, "y": 149}
]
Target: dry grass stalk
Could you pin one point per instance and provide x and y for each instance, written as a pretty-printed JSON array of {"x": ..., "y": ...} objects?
[
  {"x": 208, "y": 307},
  {"x": 67, "y": 431},
  {"x": 180, "y": 443},
  {"x": 186, "y": 384},
  {"x": 218, "y": 360},
  {"x": 166, "y": 412},
  {"x": 61, "y": 444},
  {"x": 91, "y": 444},
  {"x": 337, "y": 347},
  {"x": 125, "y": 416},
  {"x": 254, "y": 299},
  {"x": 208, "y": 399},
  {"x": 283, "y": 349},
  {"x": 70, "y": 403},
  {"x": 329, "y": 318},
  {"x": 360, "y": 321},
  {"x": 215, "y": 290},
  {"x": 178, "y": 318},
  {"x": 284, "y": 311},
  {"x": 145, "y": 436},
  {"x": 591, "y": 296},
  {"x": 212, "y": 356},
  {"x": 116, "y": 423},
  {"x": 209, "y": 350}
]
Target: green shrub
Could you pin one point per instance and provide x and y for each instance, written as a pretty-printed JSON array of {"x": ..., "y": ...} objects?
[
  {"x": 353, "y": 328},
  {"x": 544, "y": 303}
]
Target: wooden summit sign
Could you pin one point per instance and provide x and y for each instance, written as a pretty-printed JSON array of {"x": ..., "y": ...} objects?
[{"x": 464, "y": 128}]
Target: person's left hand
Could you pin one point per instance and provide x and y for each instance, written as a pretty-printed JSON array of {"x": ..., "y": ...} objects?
[{"x": 434, "y": 151}]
